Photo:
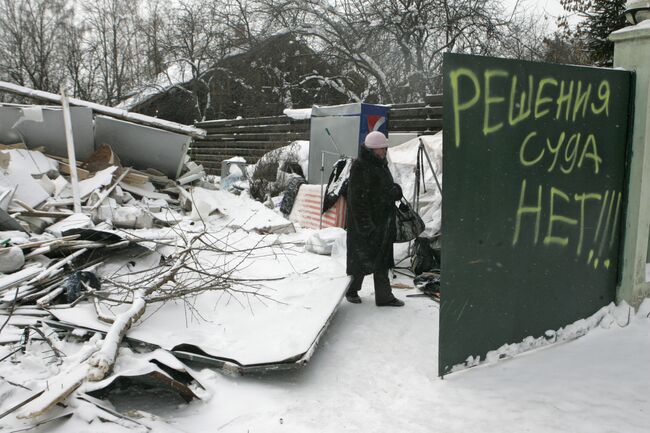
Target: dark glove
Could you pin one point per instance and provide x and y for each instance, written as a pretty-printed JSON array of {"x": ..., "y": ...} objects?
[{"x": 395, "y": 192}]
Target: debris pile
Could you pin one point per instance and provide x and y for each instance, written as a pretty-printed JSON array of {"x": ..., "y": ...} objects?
[{"x": 139, "y": 237}]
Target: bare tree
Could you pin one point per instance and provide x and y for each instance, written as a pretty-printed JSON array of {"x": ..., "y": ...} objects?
[
  {"x": 112, "y": 26},
  {"x": 153, "y": 27},
  {"x": 397, "y": 44},
  {"x": 30, "y": 34},
  {"x": 79, "y": 62}
]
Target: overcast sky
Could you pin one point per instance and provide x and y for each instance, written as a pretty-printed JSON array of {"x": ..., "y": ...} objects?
[{"x": 550, "y": 9}]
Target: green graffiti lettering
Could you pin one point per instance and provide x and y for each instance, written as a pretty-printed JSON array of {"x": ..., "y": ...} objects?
[
  {"x": 603, "y": 241},
  {"x": 454, "y": 77},
  {"x": 555, "y": 150},
  {"x": 590, "y": 151},
  {"x": 600, "y": 218},
  {"x": 540, "y": 101},
  {"x": 582, "y": 199},
  {"x": 491, "y": 100},
  {"x": 527, "y": 162},
  {"x": 523, "y": 112},
  {"x": 571, "y": 153},
  {"x": 564, "y": 99},
  {"x": 604, "y": 93},
  {"x": 523, "y": 210},
  {"x": 554, "y": 218},
  {"x": 582, "y": 100},
  {"x": 616, "y": 212}
]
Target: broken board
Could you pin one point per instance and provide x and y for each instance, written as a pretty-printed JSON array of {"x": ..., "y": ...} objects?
[{"x": 278, "y": 327}]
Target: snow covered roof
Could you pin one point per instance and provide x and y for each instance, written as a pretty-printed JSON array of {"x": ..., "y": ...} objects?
[{"x": 175, "y": 75}]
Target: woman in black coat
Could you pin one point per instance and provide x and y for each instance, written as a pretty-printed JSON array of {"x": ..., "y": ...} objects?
[{"x": 371, "y": 199}]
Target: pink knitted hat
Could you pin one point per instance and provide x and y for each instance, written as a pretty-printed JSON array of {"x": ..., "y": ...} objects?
[{"x": 376, "y": 140}]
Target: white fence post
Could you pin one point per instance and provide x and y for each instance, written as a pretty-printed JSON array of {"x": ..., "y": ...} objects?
[{"x": 632, "y": 52}]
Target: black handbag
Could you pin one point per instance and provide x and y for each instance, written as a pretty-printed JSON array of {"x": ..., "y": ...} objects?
[{"x": 408, "y": 224}]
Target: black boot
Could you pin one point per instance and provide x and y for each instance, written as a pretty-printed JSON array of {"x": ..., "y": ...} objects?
[
  {"x": 352, "y": 293},
  {"x": 394, "y": 303},
  {"x": 353, "y": 298}
]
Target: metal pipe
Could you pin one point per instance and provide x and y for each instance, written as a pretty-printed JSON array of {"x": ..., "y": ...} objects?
[
  {"x": 69, "y": 139},
  {"x": 435, "y": 177}
]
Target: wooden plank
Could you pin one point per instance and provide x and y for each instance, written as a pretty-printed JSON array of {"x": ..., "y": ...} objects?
[
  {"x": 408, "y": 105},
  {"x": 64, "y": 168},
  {"x": 13, "y": 146},
  {"x": 246, "y": 144},
  {"x": 265, "y": 136},
  {"x": 284, "y": 127},
  {"x": 136, "y": 177},
  {"x": 229, "y": 153},
  {"x": 269, "y": 120},
  {"x": 416, "y": 113},
  {"x": 414, "y": 125},
  {"x": 434, "y": 99}
]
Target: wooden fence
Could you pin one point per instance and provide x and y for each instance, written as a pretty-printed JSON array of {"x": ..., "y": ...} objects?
[{"x": 253, "y": 137}]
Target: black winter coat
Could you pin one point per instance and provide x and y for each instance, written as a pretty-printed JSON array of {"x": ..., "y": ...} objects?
[{"x": 370, "y": 223}]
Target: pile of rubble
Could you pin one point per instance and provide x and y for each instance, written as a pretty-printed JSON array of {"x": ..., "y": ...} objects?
[
  {"x": 134, "y": 237},
  {"x": 87, "y": 246},
  {"x": 49, "y": 252},
  {"x": 36, "y": 201}
]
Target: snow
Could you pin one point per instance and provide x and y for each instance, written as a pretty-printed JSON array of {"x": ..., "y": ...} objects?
[
  {"x": 176, "y": 74},
  {"x": 94, "y": 183},
  {"x": 28, "y": 190},
  {"x": 236, "y": 159},
  {"x": 249, "y": 215},
  {"x": 266, "y": 321},
  {"x": 74, "y": 221},
  {"x": 298, "y": 113},
  {"x": 376, "y": 372},
  {"x": 31, "y": 162},
  {"x": 322, "y": 241}
]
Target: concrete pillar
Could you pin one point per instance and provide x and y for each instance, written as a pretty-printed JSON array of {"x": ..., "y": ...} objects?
[{"x": 632, "y": 52}]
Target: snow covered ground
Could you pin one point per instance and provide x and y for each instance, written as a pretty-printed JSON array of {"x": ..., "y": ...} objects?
[{"x": 375, "y": 371}]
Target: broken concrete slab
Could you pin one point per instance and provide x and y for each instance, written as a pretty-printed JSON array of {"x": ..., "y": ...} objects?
[
  {"x": 11, "y": 259},
  {"x": 31, "y": 162},
  {"x": 94, "y": 183},
  {"x": 11, "y": 280},
  {"x": 126, "y": 217},
  {"x": 74, "y": 221},
  {"x": 146, "y": 190},
  {"x": 248, "y": 215},
  {"x": 28, "y": 189}
]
